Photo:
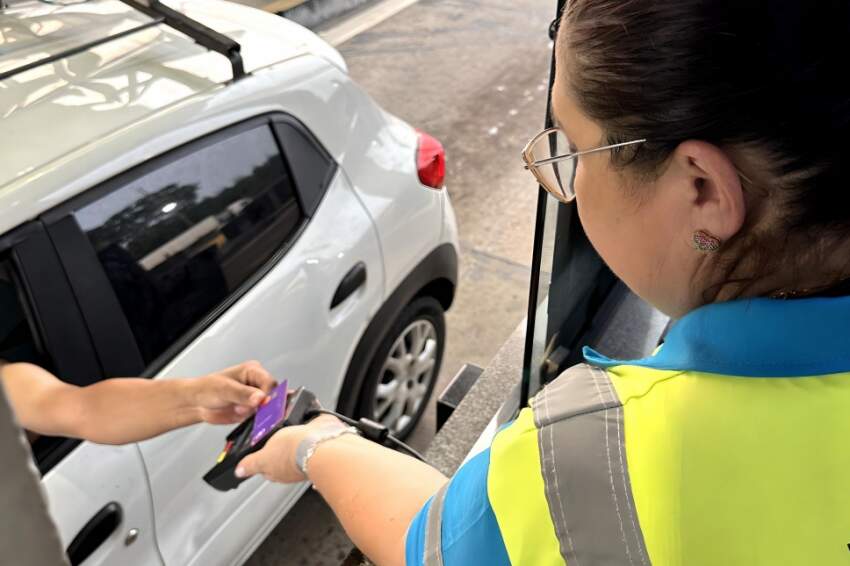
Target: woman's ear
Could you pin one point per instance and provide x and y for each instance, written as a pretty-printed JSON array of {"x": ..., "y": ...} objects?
[{"x": 715, "y": 195}]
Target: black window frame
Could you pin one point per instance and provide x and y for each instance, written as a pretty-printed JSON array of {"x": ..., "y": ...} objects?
[
  {"x": 583, "y": 293},
  {"x": 111, "y": 334},
  {"x": 55, "y": 319},
  {"x": 570, "y": 324}
]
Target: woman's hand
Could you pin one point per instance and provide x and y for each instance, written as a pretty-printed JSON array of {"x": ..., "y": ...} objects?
[
  {"x": 375, "y": 492},
  {"x": 230, "y": 395},
  {"x": 276, "y": 460}
]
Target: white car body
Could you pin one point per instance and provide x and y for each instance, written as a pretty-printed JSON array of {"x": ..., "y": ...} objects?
[{"x": 81, "y": 121}]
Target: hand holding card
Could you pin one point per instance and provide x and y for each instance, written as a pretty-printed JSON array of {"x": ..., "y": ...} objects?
[{"x": 282, "y": 408}]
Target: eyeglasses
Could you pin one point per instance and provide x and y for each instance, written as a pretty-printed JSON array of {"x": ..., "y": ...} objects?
[{"x": 550, "y": 160}]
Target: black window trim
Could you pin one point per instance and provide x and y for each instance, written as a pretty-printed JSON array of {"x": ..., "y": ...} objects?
[
  {"x": 579, "y": 323},
  {"x": 111, "y": 335},
  {"x": 56, "y": 317},
  {"x": 77, "y": 265}
]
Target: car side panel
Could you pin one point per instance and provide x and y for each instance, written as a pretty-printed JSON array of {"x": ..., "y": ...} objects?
[
  {"x": 89, "y": 478},
  {"x": 378, "y": 153},
  {"x": 285, "y": 323}
]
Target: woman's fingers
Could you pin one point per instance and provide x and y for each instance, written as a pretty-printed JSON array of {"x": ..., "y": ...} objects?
[
  {"x": 276, "y": 460},
  {"x": 250, "y": 465}
]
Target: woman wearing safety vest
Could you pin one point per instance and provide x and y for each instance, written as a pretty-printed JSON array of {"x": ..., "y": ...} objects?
[{"x": 712, "y": 174}]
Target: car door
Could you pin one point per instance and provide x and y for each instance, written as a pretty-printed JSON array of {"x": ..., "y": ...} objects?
[
  {"x": 97, "y": 495},
  {"x": 228, "y": 249}
]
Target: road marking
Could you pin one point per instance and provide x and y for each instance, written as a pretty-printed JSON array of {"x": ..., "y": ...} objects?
[
  {"x": 365, "y": 20},
  {"x": 282, "y": 5},
  {"x": 273, "y": 6}
]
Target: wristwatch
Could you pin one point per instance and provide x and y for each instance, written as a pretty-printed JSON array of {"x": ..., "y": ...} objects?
[{"x": 308, "y": 446}]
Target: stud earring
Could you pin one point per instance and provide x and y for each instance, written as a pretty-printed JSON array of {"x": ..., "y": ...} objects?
[{"x": 705, "y": 242}]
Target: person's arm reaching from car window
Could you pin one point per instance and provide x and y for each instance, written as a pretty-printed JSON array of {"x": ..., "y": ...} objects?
[
  {"x": 124, "y": 410},
  {"x": 375, "y": 492}
]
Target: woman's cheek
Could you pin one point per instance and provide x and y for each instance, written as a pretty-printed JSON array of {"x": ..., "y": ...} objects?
[
  {"x": 588, "y": 201},
  {"x": 601, "y": 218},
  {"x": 589, "y": 214},
  {"x": 579, "y": 185}
]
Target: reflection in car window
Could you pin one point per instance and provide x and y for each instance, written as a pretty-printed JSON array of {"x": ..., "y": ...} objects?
[{"x": 177, "y": 241}]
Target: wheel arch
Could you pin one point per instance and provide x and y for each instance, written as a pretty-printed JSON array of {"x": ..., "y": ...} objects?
[{"x": 434, "y": 276}]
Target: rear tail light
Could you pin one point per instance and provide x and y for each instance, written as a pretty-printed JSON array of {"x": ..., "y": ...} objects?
[{"x": 431, "y": 161}]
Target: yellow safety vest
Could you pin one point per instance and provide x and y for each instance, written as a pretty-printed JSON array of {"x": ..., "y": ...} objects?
[{"x": 632, "y": 465}]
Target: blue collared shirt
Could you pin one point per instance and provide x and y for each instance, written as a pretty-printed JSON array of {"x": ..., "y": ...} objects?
[{"x": 754, "y": 338}]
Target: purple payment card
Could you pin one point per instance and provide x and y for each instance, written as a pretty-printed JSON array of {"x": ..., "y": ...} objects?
[{"x": 270, "y": 413}]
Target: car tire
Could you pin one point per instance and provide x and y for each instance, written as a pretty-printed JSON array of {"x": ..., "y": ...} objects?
[{"x": 404, "y": 370}]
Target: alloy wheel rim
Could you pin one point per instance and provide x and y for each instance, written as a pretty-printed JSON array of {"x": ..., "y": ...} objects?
[{"x": 406, "y": 376}]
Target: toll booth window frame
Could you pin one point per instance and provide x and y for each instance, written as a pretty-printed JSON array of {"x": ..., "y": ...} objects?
[{"x": 574, "y": 298}]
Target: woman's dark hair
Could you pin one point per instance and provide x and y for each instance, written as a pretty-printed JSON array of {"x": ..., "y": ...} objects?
[{"x": 762, "y": 76}]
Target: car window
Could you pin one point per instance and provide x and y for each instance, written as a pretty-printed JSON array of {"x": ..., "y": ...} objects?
[
  {"x": 312, "y": 167},
  {"x": 175, "y": 242},
  {"x": 18, "y": 340}
]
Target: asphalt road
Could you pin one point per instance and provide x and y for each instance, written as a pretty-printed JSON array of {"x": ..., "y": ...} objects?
[{"x": 473, "y": 73}]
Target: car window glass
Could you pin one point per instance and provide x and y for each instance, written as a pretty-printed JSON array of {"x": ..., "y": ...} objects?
[
  {"x": 18, "y": 341},
  {"x": 177, "y": 241}
]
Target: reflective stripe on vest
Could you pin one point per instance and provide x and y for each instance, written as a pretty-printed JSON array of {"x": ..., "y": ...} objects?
[
  {"x": 558, "y": 481},
  {"x": 433, "y": 533},
  {"x": 580, "y": 432}
]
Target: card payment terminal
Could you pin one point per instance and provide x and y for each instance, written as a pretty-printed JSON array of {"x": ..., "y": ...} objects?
[{"x": 281, "y": 408}]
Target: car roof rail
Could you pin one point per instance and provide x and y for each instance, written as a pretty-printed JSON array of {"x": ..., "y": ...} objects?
[
  {"x": 203, "y": 35},
  {"x": 160, "y": 14}
]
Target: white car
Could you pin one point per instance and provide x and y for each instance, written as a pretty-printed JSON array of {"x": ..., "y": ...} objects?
[{"x": 167, "y": 211}]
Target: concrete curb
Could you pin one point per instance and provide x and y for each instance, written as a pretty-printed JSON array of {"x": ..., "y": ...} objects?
[
  {"x": 482, "y": 402},
  {"x": 315, "y": 12}
]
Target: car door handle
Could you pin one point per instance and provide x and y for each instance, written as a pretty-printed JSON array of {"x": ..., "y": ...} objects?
[
  {"x": 352, "y": 281},
  {"x": 97, "y": 530}
]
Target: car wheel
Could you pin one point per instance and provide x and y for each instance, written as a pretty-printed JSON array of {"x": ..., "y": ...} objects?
[{"x": 405, "y": 368}]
